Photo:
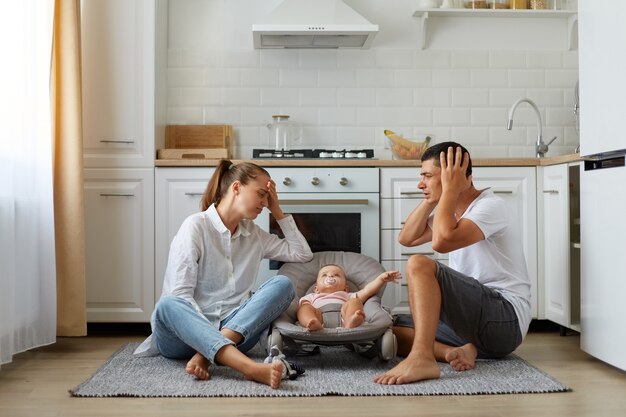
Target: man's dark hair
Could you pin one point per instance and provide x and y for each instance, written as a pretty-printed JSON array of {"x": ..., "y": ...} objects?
[{"x": 434, "y": 151}]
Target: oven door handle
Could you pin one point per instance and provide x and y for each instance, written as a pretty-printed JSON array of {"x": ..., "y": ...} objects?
[{"x": 333, "y": 202}]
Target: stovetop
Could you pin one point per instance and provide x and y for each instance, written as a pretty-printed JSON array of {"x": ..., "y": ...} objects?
[{"x": 312, "y": 154}]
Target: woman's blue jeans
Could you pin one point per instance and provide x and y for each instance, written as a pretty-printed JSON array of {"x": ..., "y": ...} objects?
[{"x": 180, "y": 331}]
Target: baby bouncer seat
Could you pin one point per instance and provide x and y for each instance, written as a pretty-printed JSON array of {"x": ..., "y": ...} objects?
[{"x": 372, "y": 338}]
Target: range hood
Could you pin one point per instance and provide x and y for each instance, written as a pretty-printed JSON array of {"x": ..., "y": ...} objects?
[{"x": 313, "y": 24}]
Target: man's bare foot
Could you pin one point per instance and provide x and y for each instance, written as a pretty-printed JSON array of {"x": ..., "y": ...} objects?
[
  {"x": 266, "y": 373},
  {"x": 411, "y": 369},
  {"x": 462, "y": 358},
  {"x": 198, "y": 366},
  {"x": 354, "y": 320},
  {"x": 313, "y": 325}
]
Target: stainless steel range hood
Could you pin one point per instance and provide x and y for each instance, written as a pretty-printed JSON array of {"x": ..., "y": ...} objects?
[{"x": 313, "y": 24}]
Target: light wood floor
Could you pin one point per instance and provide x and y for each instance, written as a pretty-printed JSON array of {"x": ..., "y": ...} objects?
[{"x": 36, "y": 383}]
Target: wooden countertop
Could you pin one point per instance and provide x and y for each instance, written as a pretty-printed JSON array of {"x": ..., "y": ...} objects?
[{"x": 479, "y": 162}]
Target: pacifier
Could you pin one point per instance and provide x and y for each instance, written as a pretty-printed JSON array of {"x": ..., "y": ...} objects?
[{"x": 330, "y": 281}]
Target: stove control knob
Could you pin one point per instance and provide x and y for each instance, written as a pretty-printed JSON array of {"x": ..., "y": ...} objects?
[
  {"x": 325, "y": 154},
  {"x": 351, "y": 155},
  {"x": 315, "y": 181},
  {"x": 343, "y": 181},
  {"x": 361, "y": 155},
  {"x": 337, "y": 155},
  {"x": 287, "y": 181}
]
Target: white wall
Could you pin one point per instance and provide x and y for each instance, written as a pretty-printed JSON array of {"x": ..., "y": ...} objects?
[{"x": 460, "y": 87}]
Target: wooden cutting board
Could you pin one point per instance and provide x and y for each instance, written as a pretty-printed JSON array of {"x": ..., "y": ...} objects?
[
  {"x": 215, "y": 153},
  {"x": 200, "y": 137}
]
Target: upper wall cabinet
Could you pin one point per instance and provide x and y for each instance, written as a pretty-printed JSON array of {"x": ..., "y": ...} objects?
[
  {"x": 570, "y": 15},
  {"x": 118, "y": 82}
]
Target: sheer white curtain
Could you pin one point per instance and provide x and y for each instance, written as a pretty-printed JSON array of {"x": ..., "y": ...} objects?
[{"x": 27, "y": 256}]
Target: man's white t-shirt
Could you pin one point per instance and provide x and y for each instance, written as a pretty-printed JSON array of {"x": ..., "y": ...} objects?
[{"x": 497, "y": 261}]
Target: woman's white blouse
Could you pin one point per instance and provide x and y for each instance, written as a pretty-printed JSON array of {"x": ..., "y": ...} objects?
[{"x": 215, "y": 271}]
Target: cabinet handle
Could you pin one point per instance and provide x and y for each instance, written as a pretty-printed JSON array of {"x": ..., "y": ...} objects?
[
  {"x": 503, "y": 192},
  {"x": 194, "y": 194},
  {"x": 312, "y": 202},
  {"x": 116, "y": 195},
  {"x": 416, "y": 253},
  {"x": 343, "y": 181},
  {"x": 287, "y": 181},
  {"x": 411, "y": 193},
  {"x": 117, "y": 141},
  {"x": 576, "y": 245},
  {"x": 550, "y": 191}
]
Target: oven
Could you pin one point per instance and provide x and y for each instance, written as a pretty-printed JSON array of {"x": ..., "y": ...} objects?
[{"x": 336, "y": 209}]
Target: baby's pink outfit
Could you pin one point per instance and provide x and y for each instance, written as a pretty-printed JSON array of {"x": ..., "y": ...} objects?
[{"x": 319, "y": 300}]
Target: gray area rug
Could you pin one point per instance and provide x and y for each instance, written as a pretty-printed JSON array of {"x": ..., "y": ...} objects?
[{"x": 336, "y": 371}]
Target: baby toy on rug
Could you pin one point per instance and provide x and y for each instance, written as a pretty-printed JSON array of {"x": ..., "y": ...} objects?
[{"x": 290, "y": 370}]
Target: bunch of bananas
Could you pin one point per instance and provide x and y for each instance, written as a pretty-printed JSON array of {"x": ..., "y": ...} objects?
[{"x": 404, "y": 148}]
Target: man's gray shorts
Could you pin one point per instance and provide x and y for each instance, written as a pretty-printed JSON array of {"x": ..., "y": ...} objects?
[{"x": 473, "y": 313}]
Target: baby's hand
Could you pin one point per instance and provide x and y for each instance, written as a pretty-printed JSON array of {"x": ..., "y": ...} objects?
[{"x": 391, "y": 276}]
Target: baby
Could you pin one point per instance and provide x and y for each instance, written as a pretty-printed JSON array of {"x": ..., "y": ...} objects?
[{"x": 331, "y": 288}]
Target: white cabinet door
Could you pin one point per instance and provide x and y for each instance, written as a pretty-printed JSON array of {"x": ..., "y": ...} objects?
[
  {"x": 119, "y": 229},
  {"x": 118, "y": 73},
  {"x": 554, "y": 195},
  {"x": 177, "y": 195},
  {"x": 516, "y": 185}
]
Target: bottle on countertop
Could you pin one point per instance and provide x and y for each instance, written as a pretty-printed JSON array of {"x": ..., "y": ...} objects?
[
  {"x": 498, "y": 4},
  {"x": 518, "y": 4}
]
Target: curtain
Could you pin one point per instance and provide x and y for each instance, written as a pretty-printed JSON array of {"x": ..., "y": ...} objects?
[
  {"x": 65, "y": 87},
  {"x": 27, "y": 251}
]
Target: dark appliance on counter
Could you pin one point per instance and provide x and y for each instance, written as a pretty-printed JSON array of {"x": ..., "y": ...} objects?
[{"x": 312, "y": 154}]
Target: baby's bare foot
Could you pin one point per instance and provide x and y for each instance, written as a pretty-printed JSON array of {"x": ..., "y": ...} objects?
[
  {"x": 266, "y": 373},
  {"x": 198, "y": 366},
  {"x": 314, "y": 325},
  {"x": 354, "y": 320},
  {"x": 462, "y": 358}
]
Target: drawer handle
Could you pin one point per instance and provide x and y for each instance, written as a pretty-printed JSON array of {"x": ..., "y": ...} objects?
[
  {"x": 194, "y": 194},
  {"x": 576, "y": 245},
  {"x": 116, "y": 195},
  {"x": 360, "y": 202},
  {"x": 416, "y": 253},
  {"x": 503, "y": 192},
  {"x": 550, "y": 191},
  {"x": 117, "y": 141},
  {"x": 411, "y": 193}
]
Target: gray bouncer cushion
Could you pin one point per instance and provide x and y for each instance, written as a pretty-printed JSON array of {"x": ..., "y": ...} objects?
[{"x": 360, "y": 270}]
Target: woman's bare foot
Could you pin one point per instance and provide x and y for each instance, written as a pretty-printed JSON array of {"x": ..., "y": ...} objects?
[
  {"x": 411, "y": 369},
  {"x": 266, "y": 373},
  {"x": 313, "y": 325},
  {"x": 462, "y": 358},
  {"x": 355, "y": 320},
  {"x": 198, "y": 366}
]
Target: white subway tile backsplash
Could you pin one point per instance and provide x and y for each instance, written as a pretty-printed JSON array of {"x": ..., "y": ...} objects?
[
  {"x": 241, "y": 96},
  {"x": 356, "y": 58},
  {"x": 222, "y": 115},
  {"x": 547, "y": 97},
  {"x": 394, "y": 58},
  {"x": 337, "y": 78},
  {"x": 527, "y": 78},
  {"x": 376, "y": 117},
  {"x": 451, "y": 117},
  {"x": 413, "y": 78},
  {"x": 242, "y": 58},
  {"x": 200, "y": 58},
  {"x": 470, "y": 97},
  {"x": 354, "y": 136},
  {"x": 356, "y": 96},
  {"x": 507, "y": 59},
  {"x": 564, "y": 78},
  {"x": 279, "y": 96},
  {"x": 489, "y": 78},
  {"x": 337, "y": 116},
  {"x": 488, "y": 116},
  {"x": 470, "y": 59},
  {"x": 318, "y": 96},
  {"x": 505, "y": 97},
  {"x": 432, "y": 97},
  {"x": 200, "y": 96},
  {"x": 317, "y": 58},
  {"x": 394, "y": 97},
  {"x": 279, "y": 58},
  {"x": 184, "y": 77},
  {"x": 374, "y": 78},
  {"x": 451, "y": 78},
  {"x": 469, "y": 136},
  {"x": 220, "y": 77},
  {"x": 298, "y": 78},
  {"x": 544, "y": 60},
  {"x": 414, "y": 116},
  {"x": 184, "y": 115},
  {"x": 258, "y": 116},
  {"x": 431, "y": 59},
  {"x": 259, "y": 77}
]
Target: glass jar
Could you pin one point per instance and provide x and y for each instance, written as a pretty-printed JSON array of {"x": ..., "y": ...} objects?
[
  {"x": 518, "y": 4},
  {"x": 538, "y": 4},
  {"x": 475, "y": 4},
  {"x": 498, "y": 4}
]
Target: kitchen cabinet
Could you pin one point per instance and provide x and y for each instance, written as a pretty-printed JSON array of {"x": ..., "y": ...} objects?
[
  {"x": 559, "y": 243},
  {"x": 119, "y": 230},
  {"x": 425, "y": 14},
  {"x": 399, "y": 194},
  {"x": 178, "y": 192},
  {"x": 118, "y": 82}
]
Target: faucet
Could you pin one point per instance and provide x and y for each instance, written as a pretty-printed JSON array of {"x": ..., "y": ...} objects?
[{"x": 541, "y": 148}]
